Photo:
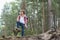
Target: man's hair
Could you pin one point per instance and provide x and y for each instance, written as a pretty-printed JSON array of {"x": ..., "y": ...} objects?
[{"x": 23, "y": 12}]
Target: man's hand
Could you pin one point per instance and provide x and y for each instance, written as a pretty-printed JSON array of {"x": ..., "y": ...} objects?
[{"x": 26, "y": 26}]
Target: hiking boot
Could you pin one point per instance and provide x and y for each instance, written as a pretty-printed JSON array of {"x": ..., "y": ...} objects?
[{"x": 18, "y": 30}]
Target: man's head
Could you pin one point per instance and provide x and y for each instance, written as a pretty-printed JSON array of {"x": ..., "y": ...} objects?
[{"x": 22, "y": 13}]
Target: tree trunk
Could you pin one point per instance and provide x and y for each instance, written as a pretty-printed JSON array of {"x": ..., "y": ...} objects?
[
  {"x": 23, "y": 5},
  {"x": 43, "y": 20},
  {"x": 50, "y": 15}
]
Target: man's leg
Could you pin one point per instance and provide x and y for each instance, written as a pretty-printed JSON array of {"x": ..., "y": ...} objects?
[
  {"x": 18, "y": 24},
  {"x": 22, "y": 29}
]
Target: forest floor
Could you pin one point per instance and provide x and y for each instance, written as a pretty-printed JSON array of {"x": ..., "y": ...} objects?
[{"x": 49, "y": 35}]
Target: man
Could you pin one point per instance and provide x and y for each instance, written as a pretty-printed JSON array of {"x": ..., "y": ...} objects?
[{"x": 22, "y": 21}]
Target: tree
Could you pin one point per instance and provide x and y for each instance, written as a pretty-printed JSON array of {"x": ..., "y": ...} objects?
[
  {"x": 50, "y": 14},
  {"x": 9, "y": 16}
]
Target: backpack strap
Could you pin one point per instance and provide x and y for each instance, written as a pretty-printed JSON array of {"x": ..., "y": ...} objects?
[{"x": 19, "y": 17}]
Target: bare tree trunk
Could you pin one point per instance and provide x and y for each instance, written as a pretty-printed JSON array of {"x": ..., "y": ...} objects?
[
  {"x": 50, "y": 15},
  {"x": 43, "y": 20},
  {"x": 23, "y": 5}
]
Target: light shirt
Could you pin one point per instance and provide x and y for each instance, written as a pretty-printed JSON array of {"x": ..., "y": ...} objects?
[{"x": 22, "y": 20}]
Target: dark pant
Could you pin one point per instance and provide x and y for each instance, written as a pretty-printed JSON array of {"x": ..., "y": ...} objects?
[{"x": 22, "y": 26}]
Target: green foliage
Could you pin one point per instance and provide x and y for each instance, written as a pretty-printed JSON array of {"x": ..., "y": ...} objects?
[
  {"x": 9, "y": 16},
  {"x": 33, "y": 11}
]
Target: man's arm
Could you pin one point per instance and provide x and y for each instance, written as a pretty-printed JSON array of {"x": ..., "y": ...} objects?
[
  {"x": 26, "y": 20},
  {"x": 18, "y": 18}
]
